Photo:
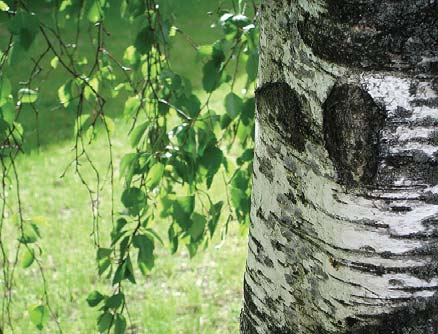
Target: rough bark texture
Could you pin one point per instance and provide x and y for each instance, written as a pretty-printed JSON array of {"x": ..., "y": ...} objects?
[{"x": 344, "y": 222}]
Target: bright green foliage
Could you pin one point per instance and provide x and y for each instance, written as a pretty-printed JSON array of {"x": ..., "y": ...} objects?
[
  {"x": 181, "y": 146},
  {"x": 134, "y": 199},
  {"x": 5, "y": 90},
  {"x": 233, "y": 105},
  {"x": 26, "y": 95},
  {"x": 120, "y": 324},
  {"x": 3, "y": 6},
  {"x": 24, "y": 26},
  {"x": 39, "y": 315},
  {"x": 94, "y": 298},
  {"x": 145, "y": 245},
  {"x": 28, "y": 257},
  {"x": 29, "y": 233}
]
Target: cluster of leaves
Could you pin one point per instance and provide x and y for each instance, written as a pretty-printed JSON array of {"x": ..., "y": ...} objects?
[{"x": 181, "y": 147}]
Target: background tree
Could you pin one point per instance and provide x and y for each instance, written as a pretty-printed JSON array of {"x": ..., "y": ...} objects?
[{"x": 344, "y": 203}]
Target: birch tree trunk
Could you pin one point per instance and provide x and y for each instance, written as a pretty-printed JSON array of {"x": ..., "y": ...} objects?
[{"x": 344, "y": 229}]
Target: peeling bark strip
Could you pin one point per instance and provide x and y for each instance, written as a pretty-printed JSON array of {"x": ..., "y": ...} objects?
[{"x": 344, "y": 221}]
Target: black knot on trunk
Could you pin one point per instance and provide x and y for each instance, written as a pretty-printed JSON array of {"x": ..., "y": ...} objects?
[
  {"x": 352, "y": 122},
  {"x": 284, "y": 110}
]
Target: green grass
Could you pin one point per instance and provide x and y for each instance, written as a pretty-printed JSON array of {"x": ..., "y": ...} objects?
[{"x": 181, "y": 295}]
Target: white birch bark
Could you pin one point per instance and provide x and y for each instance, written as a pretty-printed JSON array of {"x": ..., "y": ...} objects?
[{"x": 343, "y": 235}]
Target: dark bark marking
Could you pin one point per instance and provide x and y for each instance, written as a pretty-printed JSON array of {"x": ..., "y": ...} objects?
[
  {"x": 401, "y": 112},
  {"x": 416, "y": 165},
  {"x": 283, "y": 109},
  {"x": 266, "y": 168},
  {"x": 420, "y": 316},
  {"x": 430, "y": 197},
  {"x": 250, "y": 310},
  {"x": 376, "y": 34},
  {"x": 352, "y": 121},
  {"x": 246, "y": 326}
]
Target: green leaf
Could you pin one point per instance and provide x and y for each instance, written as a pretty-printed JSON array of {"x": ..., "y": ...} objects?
[
  {"x": 218, "y": 54},
  {"x": 247, "y": 155},
  {"x": 4, "y": 6},
  {"x": 146, "y": 257},
  {"x": 138, "y": 133},
  {"x": 18, "y": 137},
  {"x": 155, "y": 235},
  {"x": 120, "y": 324},
  {"x": 225, "y": 121},
  {"x": 109, "y": 125},
  {"x": 252, "y": 66},
  {"x": 117, "y": 231},
  {"x": 133, "y": 8},
  {"x": 173, "y": 238},
  {"x": 206, "y": 138},
  {"x": 103, "y": 259},
  {"x": 182, "y": 169},
  {"x": 28, "y": 257},
  {"x": 39, "y": 315},
  {"x": 95, "y": 12},
  {"x": 240, "y": 200},
  {"x": 211, "y": 160},
  {"x": 233, "y": 105},
  {"x": 7, "y": 112},
  {"x": 205, "y": 50},
  {"x": 90, "y": 134},
  {"x": 144, "y": 40},
  {"x": 123, "y": 247},
  {"x": 240, "y": 20},
  {"x": 190, "y": 104},
  {"x": 94, "y": 298},
  {"x": 64, "y": 94},
  {"x": 187, "y": 139},
  {"x": 124, "y": 271},
  {"x": 5, "y": 90},
  {"x": 132, "y": 106},
  {"x": 225, "y": 18},
  {"x": 240, "y": 180},
  {"x": 192, "y": 248},
  {"x": 26, "y": 95},
  {"x": 30, "y": 233},
  {"x": 154, "y": 175},
  {"x": 80, "y": 123},
  {"x": 212, "y": 76},
  {"x": 134, "y": 199},
  {"x": 215, "y": 212},
  {"x": 127, "y": 166},
  {"x": 198, "y": 226},
  {"x": 54, "y": 62},
  {"x": 183, "y": 207},
  {"x": 247, "y": 116},
  {"x": 115, "y": 301},
  {"x": 104, "y": 322},
  {"x": 131, "y": 55},
  {"x": 91, "y": 89},
  {"x": 230, "y": 29},
  {"x": 25, "y": 26}
]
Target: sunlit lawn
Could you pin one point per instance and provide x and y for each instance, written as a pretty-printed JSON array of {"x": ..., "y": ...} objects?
[{"x": 181, "y": 295}]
